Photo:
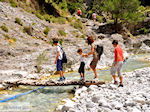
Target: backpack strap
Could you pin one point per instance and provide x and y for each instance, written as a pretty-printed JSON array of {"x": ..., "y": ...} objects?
[{"x": 61, "y": 48}]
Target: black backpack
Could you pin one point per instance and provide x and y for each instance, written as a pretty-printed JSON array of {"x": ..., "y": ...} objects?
[
  {"x": 99, "y": 50},
  {"x": 64, "y": 57}
]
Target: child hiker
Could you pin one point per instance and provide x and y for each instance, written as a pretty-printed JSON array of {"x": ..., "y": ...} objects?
[{"x": 82, "y": 64}]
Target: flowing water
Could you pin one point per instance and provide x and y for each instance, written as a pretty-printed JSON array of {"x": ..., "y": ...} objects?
[{"x": 48, "y": 98}]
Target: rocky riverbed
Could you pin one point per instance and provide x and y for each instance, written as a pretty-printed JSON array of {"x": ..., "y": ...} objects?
[{"x": 133, "y": 97}]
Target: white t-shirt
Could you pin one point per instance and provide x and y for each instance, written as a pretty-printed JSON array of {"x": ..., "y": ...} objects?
[
  {"x": 60, "y": 52},
  {"x": 82, "y": 59}
]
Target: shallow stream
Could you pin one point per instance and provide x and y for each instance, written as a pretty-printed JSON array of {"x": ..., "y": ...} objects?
[{"x": 48, "y": 98}]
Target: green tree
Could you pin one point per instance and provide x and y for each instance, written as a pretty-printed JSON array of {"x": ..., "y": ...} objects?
[{"x": 127, "y": 11}]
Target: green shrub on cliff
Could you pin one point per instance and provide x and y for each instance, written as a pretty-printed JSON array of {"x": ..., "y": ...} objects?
[
  {"x": 46, "y": 30},
  {"x": 18, "y": 21},
  {"x": 4, "y": 28}
]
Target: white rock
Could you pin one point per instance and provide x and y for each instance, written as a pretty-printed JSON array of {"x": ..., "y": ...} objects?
[
  {"x": 59, "y": 108},
  {"x": 117, "y": 105},
  {"x": 114, "y": 110},
  {"x": 112, "y": 86},
  {"x": 84, "y": 88},
  {"x": 69, "y": 103},
  {"x": 104, "y": 103},
  {"x": 135, "y": 110},
  {"x": 95, "y": 99},
  {"x": 93, "y": 87},
  {"x": 139, "y": 100},
  {"x": 130, "y": 103},
  {"x": 90, "y": 105}
]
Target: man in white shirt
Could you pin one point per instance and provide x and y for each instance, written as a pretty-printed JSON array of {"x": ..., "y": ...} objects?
[{"x": 58, "y": 60}]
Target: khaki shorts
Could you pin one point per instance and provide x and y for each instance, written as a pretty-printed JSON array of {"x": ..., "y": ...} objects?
[
  {"x": 93, "y": 63},
  {"x": 117, "y": 68}
]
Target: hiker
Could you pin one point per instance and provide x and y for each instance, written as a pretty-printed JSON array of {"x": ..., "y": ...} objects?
[
  {"x": 96, "y": 55},
  {"x": 94, "y": 15},
  {"x": 118, "y": 62},
  {"x": 79, "y": 12},
  {"x": 82, "y": 64},
  {"x": 58, "y": 60}
]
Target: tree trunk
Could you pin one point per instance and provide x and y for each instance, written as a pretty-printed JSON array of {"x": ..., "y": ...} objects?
[{"x": 116, "y": 24}]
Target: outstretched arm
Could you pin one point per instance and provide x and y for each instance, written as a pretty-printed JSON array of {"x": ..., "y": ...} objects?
[
  {"x": 84, "y": 55},
  {"x": 92, "y": 51}
]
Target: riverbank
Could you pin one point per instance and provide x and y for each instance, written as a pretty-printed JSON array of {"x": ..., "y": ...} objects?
[{"x": 133, "y": 97}]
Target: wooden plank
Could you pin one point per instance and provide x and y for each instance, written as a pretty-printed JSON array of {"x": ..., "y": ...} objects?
[{"x": 53, "y": 83}]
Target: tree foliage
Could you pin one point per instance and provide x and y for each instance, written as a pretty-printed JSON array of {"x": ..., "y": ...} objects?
[{"x": 123, "y": 10}]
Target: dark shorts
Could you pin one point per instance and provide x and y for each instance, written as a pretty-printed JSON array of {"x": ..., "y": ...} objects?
[
  {"x": 81, "y": 68},
  {"x": 59, "y": 65}
]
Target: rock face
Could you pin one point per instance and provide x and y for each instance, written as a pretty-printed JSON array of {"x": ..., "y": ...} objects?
[
  {"x": 147, "y": 42},
  {"x": 133, "y": 97},
  {"x": 32, "y": 53}
]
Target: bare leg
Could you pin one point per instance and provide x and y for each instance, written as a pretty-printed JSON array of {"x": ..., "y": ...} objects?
[
  {"x": 121, "y": 79},
  {"x": 81, "y": 74},
  {"x": 95, "y": 73},
  {"x": 114, "y": 77},
  {"x": 94, "y": 70},
  {"x": 61, "y": 74}
]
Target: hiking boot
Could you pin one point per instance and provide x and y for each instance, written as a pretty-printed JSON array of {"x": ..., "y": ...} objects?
[
  {"x": 120, "y": 85},
  {"x": 96, "y": 79},
  {"x": 116, "y": 82},
  {"x": 81, "y": 79},
  {"x": 61, "y": 79}
]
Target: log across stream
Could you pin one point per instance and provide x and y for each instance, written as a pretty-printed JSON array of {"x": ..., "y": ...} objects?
[{"x": 53, "y": 83}]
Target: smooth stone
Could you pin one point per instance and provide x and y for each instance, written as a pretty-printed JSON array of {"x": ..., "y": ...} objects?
[
  {"x": 117, "y": 105},
  {"x": 129, "y": 103},
  {"x": 95, "y": 99},
  {"x": 135, "y": 110},
  {"x": 104, "y": 103},
  {"x": 90, "y": 105},
  {"x": 139, "y": 100}
]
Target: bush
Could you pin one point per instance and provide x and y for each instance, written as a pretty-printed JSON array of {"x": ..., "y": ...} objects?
[
  {"x": 28, "y": 30},
  {"x": 13, "y": 3},
  {"x": 2, "y": 0},
  {"x": 62, "y": 33},
  {"x": 47, "y": 17},
  {"x": 41, "y": 59},
  {"x": 18, "y": 21},
  {"x": 39, "y": 16},
  {"x": 144, "y": 30},
  {"x": 11, "y": 40},
  {"x": 70, "y": 19},
  {"x": 46, "y": 30},
  {"x": 82, "y": 36},
  {"x": 59, "y": 20},
  {"x": 99, "y": 19},
  {"x": 33, "y": 23},
  {"x": 77, "y": 24},
  {"x": 4, "y": 28}
]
